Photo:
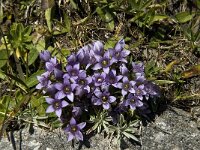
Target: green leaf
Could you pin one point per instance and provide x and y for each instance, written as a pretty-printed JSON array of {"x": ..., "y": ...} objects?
[
  {"x": 1, "y": 12},
  {"x": 110, "y": 22},
  {"x": 36, "y": 102},
  {"x": 48, "y": 18},
  {"x": 40, "y": 45},
  {"x": 5, "y": 100},
  {"x": 131, "y": 136},
  {"x": 159, "y": 17},
  {"x": 32, "y": 55},
  {"x": 161, "y": 82},
  {"x": 2, "y": 75},
  {"x": 73, "y": 4},
  {"x": 3, "y": 57},
  {"x": 32, "y": 80},
  {"x": 27, "y": 31},
  {"x": 41, "y": 110},
  {"x": 184, "y": 17},
  {"x": 100, "y": 13},
  {"x": 67, "y": 22},
  {"x": 193, "y": 71}
]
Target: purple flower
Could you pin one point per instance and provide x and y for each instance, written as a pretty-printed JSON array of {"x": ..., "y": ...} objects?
[
  {"x": 50, "y": 90},
  {"x": 138, "y": 67},
  {"x": 98, "y": 48},
  {"x": 99, "y": 78},
  {"x": 45, "y": 55},
  {"x": 83, "y": 55},
  {"x": 139, "y": 91},
  {"x": 65, "y": 89},
  {"x": 73, "y": 71},
  {"x": 103, "y": 98},
  {"x": 83, "y": 82},
  {"x": 76, "y": 111},
  {"x": 151, "y": 89},
  {"x": 139, "y": 79},
  {"x": 126, "y": 86},
  {"x": 124, "y": 70},
  {"x": 119, "y": 53},
  {"x": 112, "y": 78},
  {"x": 44, "y": 81},
  {"x": 53, "y": 66},
  {"x": 73, "y": 130},
  {"x": 56, "y": 105},
  {"x": 103, "y": 62},
  {"x": 72, "y": 59},
  {"x": 133, "y": 101}
]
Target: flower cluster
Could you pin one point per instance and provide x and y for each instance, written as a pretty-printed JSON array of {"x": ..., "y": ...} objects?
[{"x": 93, "y": 78}]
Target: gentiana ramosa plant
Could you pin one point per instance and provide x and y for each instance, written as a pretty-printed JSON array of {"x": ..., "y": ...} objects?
[{"x": 94, "y": 81}]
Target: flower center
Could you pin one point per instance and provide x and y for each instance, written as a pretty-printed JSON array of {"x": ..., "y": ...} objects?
[
  {"x": 104, "y": 99},
  {"x": 132, "y": 101},
  {"x": 104, "y": 63},
  {"x": 56, "y": 105},
  {"x": 138, "y": 92},
  {"x": 82, "y": 82},
  {"x": 126, "y": 86},
  {"x": 117, "y": 54},
  {"x": 112, "y": 80},
  {"x": 99, "y": 79},
  {"x": 74, "y": 128},
  {"x": 67, "y": 89},
  {"x": 74, "y": 72}
]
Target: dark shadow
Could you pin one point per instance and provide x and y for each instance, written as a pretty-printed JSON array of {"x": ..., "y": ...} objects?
[
  {"x": 123, "y": 144},
  {"x": 20, "y": 139},
  {"x": 86, "y": 141},
  {"x": 153, "y": 107},
  {"x": 12, "y": 139}
]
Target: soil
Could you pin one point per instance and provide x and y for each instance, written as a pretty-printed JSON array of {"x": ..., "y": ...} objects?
[{"x": 174, "y": 129}]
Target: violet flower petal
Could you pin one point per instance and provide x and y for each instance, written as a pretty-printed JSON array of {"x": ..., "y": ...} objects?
[{"x": 50, "y": 109}]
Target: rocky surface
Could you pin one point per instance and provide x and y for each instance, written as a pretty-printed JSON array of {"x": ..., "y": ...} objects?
[{"x": 174, "y": 129}]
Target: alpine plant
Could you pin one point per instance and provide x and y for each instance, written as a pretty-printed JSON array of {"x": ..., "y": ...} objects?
[{"x": 93, "y": 79}]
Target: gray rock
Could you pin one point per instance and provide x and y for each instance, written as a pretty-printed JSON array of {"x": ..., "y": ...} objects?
[{"x": 173, "y": 130}]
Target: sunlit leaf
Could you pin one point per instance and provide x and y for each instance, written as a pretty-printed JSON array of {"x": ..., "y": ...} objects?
[
  {"x": 2, "y": 75},
  {"x": 41, "y": 110},
  {"x": 194, "y": 71},
  {"x": 131, "y": 136},
  {"x": 32, "y": 80},
  {"x": 48, "y": 18},
  {"x": 110, "y": 22},
  {"x": 159, "y": 17},
  {"x": 73, "y": 4},
  {"x": 183, "y": 17},
  {"x": 3, "y": 57},
  {"x": 40, "y": 45},
  {"x": 170, "y": 66},
  {"x": 36, "y": 102},
  {"x": 67, "y": 22},
  {"x": 32, "y": 55},
  {"x": 1, "y": 12},
  {"x": 161, "y": 82},
  {"x": 100, "y": 13}
]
